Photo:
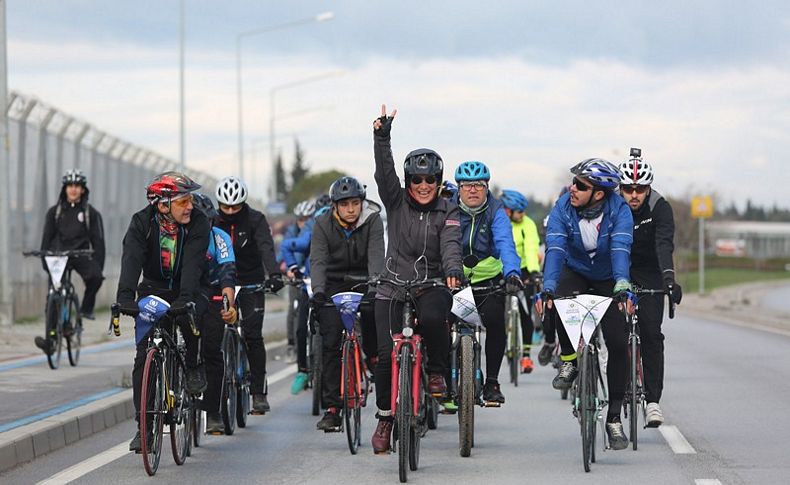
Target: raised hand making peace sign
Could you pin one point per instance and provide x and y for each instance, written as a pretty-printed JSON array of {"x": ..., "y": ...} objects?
[{"x": 383, "y": 124}]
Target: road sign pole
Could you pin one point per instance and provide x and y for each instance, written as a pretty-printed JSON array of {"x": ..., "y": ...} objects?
[{"x": 701, "y": 255}]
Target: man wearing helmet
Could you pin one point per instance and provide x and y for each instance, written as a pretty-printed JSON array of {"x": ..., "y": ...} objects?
[
  {"x": 255, "y": 265},
  {"x": 72, "y": 223},
  {"x": 424, "y": 242},
  {"x": 166, "y": 242},
  {"x": 588, "y": 241},
  {"x": 487, "y": 240},
  {"x": 303, "y": 211},
  {"x": 346, "y": 240},
  {"x": 651, "y": 267},
  {"x": 525, "y": 236}
]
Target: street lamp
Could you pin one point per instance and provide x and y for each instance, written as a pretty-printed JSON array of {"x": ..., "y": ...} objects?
[{"x": 321, "y": 17}]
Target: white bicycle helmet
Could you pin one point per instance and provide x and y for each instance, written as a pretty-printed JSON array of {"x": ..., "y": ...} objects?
[
  {"x": 231, "y": 191},
  {"x": 305, "y": 208},
  {"x": 636, "y": 172}
]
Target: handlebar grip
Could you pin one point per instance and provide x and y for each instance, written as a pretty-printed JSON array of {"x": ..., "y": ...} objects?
[
  {"x": 115, "y": 319},
  {"x": 225, "y": 303},
  {"x": 671, "y": 300}
]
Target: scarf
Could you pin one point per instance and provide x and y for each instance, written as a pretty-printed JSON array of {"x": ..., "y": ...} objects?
[
  {"x": 591, "y": 212},
  {"x": 473, "y": 211},
  {"x": 168, "y": 238}
]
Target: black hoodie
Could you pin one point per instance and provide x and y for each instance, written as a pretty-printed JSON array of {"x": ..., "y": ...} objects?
[{"x": 74, "y": 226}]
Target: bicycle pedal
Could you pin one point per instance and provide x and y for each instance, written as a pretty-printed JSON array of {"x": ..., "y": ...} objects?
[
  {"x": 333, "y": 430},
  {"x": 258, "y": 413},
  {"x": 492, "y": 404},
  {"x": 382, "y": 453}
]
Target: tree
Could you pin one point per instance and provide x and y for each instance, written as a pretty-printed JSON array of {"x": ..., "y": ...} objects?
[
  {"x": 300, "y": 169},
  {"x": 281, "y": 185},
  {"x": 312, "y": 186}
]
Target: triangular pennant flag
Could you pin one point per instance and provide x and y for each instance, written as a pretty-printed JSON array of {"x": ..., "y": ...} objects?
[
  {"x": 580, "y": 315},
  {"x": 56, "y": 266},
  {"x": 464, "y": 306},
  {"x": 347, "y": 304}
]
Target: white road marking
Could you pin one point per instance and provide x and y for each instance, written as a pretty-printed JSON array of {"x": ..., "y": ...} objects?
[
  {"x": 278, "y": 376},
  {"x": 83, "y": 468},
  {"x": 676, "y": 440},
  {"x": 707, "y": 481}
]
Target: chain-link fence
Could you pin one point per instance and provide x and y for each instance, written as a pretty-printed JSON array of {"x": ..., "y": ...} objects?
[{"x": 44, "y": 143}]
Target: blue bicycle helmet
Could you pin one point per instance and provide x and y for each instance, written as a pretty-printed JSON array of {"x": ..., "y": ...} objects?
[
  {"x": 514, "y": 200},
  {"x": 448, "y": 189},
  {"x": 471, "y": 171},
  {"x": 599, "y": 172}
]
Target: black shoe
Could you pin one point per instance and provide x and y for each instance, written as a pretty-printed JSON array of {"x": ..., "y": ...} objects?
[
  {"x": 196, "y": 379},
  {"x": 214, "y": 424},
  {"x": 544, "y": 356},
  {"x": 617, "y": 438},
  {"x": 331, "y": 421},
  {"x": 136, "y": 444},
  {"x": 260, "y": 405},
  {"x": 88, "y": 315},
  {"x": 492, "y": 393},
  {"x": 564, "y": 379},
  {"x": 44, "y": 344}
]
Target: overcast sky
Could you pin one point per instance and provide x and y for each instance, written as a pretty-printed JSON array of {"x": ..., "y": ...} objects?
[{"x": 528, "y": 87}]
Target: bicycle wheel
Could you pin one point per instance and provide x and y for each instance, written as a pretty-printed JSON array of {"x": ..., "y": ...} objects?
[
  {"x": 403, "y": 413},
  {"x": 179, "y": 412},
  {"x": 419, "y": 423},
  {"x": 586, "y": 399},
  {"x": 352, "y": 411},
  {"x": 315, "y": 369},
  {"x": 227, "y": 403},
  {"x": 514, "y": 343},
  {"x": 54, "y": 329},
  {"x": 74, "y": 341},
  {"x": 243, "y": 388},
  {"x": 190, "y": 417},
  {"x": 152, "y": 410},
  {"x": 433, "y": 413},
  {"x": 466, "y": 391},
  {"x": 633, "y": 394},
  {"x": 197, "y": 424}
]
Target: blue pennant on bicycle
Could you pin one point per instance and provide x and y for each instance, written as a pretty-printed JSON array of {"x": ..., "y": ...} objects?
[
  {"x": 347, "y": 304},
  {"x": 152, "y": 308}
]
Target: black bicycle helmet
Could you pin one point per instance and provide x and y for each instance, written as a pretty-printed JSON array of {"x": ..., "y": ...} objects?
[
  {"x": 346, "y": 188},
  {"x": 423, "y": 161},
  {"x": 204, "y": 203}
]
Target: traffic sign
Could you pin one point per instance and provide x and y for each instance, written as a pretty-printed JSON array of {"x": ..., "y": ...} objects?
[{"x": 701, "y": 207}]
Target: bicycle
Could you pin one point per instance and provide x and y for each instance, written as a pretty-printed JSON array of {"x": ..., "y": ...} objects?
[
  {"x": 514, "y": 337},
  {"x": 62, "y": 313},
  {"x": 163, "y": 396},
  {"x": 313, "y": 345},
  {"x": 635, "y": 398}
]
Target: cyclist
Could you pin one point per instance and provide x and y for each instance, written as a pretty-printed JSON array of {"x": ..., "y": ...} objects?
[
  {"x": 424, "y": 242},
  {"x": 255, "y": 265},
  {"x": 347, "y": 240},
  {"x": 651, "y": 267},
  {"x": 221, "y": 282},
  {"x": 167, "y": 243},
  {"x": 525, "y": 236},
  {"x": 588, "y": 240},
  {"x": 73, "y": 223},
  {"x": 303, "y": 211},
  {"x": 486, "y": 233}
]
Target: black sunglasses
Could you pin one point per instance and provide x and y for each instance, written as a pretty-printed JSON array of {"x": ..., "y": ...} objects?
[
  {"x": 630, "y": 189},
  {"x": 581, "y": 186},
  {"x": 417, "y": 180}
]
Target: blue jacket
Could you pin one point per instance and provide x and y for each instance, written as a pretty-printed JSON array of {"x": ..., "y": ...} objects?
[
  {"x": 297, "y": 249},
  {"x": 221, "y": 260},
  {"x": 489, "y": 235},
  {"x": 291, "y": 232},
  {"x": 564, "y": 244}
]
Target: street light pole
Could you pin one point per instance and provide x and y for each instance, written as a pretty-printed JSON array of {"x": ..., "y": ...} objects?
[
  {"x": 321, "y": 17},
  {"x": 6, "y": 295},
  {"x": 182, "y": 136}
]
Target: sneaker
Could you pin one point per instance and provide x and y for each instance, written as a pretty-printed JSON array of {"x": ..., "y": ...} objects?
[
  {"x": 290, "y": 355},
  {"x": 136, "y": 443},
  {"x": 88, "y": 315},
  {"x": 331, "y": 421},
  {"x": 527, "y": 365},
  {"x": 44, "y": 344},
  {"x": 436, "y": 385},
  {"x": 617, "y": 438},
  {"x": 260, "y": 405},
  {"x": 449, "y": 407},
  {"x": 544, "y": 356},
  {"x": 214, "y": 424},
  {"x": 655, "y": 417},
  {"x": 564, "y": 379},
  {"x": 300, "y": 383},
  {"x": 196, "y": 379},
  {"x": 382, "y": 436},
  {"x": 492, "y": 393}
]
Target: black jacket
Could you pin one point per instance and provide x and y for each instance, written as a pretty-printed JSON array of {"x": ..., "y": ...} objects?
[
  {"x": 252, "y": 244},
  {"x": 74, "y": 226},
  {"x": 333, "y": 255},
  {"x": 651, "y": 252},
  {"x": 141, "y": 253}
]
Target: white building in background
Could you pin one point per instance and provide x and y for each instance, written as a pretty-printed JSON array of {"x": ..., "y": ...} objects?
[{"x": 754, "y": 239}]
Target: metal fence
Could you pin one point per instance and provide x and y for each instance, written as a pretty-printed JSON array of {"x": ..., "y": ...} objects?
[{"x": 44, "y": 143}]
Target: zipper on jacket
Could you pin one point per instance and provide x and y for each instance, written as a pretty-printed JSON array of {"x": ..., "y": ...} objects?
[{"x": 472, "y": 235}]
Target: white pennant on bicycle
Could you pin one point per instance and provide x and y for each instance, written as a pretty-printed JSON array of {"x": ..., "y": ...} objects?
[
  {"x": 464, "y": 306},
  {"x": 581, "y": 314},
  {"x": 56, "y": 266}
]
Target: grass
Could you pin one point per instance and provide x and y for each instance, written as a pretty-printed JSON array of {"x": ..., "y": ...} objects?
[{"x": 718, "y": 277}]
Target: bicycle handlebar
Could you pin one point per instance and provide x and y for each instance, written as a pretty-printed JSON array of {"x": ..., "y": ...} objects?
[
  {"x": 116, "y": 311},
  {"x": 72, "y": 253}
]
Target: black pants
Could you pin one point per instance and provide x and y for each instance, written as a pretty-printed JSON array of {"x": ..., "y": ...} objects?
[
  {"x": 651, "y": 314},
  {"x": 303, "y": 311},
  {"x": 252, "y": 305},
  {"x": 615, "y": 333},
  {"x": 432, "y": 308},
  {"x": 491, "y": 308},
  {"x": 91, "y": 275},
  {"x": 291, "y": 315},
  {"x": 212, "y": 332},
  {"x": 527, "y": 327},
  {"x": 331, "y": 329}
]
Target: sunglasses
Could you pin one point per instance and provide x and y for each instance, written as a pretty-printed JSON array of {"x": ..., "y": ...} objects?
[
  {"x": 417, "y": 180},
  {"x": 581, "y": 186},
  {"x": 474, "y": 185},
  {"x": 182, "y": 202},
  {"x": 230, "y": 208},
  {"x": 630, "y": 189}
]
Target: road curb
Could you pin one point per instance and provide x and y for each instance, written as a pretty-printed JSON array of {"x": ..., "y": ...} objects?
[{"x": 25, "y": 443}]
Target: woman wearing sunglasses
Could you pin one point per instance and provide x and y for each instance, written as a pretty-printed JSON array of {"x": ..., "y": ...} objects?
[{"x": 424, "y": 242}]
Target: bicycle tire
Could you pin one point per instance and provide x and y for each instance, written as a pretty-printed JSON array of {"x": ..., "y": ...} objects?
[
  {"x": 74, "y": 341},
  {"x": 466, "y": 391},
  {"x": 197, "y": 425},
  {"x": 152, "y": 406},
  {"x": 352, "y": 414},
  {"x": 315, "y": 369},
  {"x": 179, "y": 415},
  {"x": 586, "y": 402},
  {"x": 228, "y": 400},
  {"x": 243, "y": 405},
  {"x": 54, "y": 314},
  {"x": 432, "y": 420},
  {"x": 403, "y": 413},
  {"x": 634, "y": 391},
  {"x": 190, "y": 417},
  {"x": 513, "y": 325}
]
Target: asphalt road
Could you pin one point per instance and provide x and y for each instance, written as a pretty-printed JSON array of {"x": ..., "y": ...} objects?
[{"x": 726, "y": 393}]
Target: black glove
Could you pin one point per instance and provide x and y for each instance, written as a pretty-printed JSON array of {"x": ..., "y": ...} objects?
[
  {"x": 319, "y": 300},
  {"x": 386, "y": 127},
  {"x": 545, "y": 296},
  {"x": 129, "y": 308},
  {"x": 675, "y": 292},
  {"x": 295, "y": 271},
  {"x": 536, "y": 277},
  {"x": 275, "y": 282},
  {"x": 513, "y": 284}
]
